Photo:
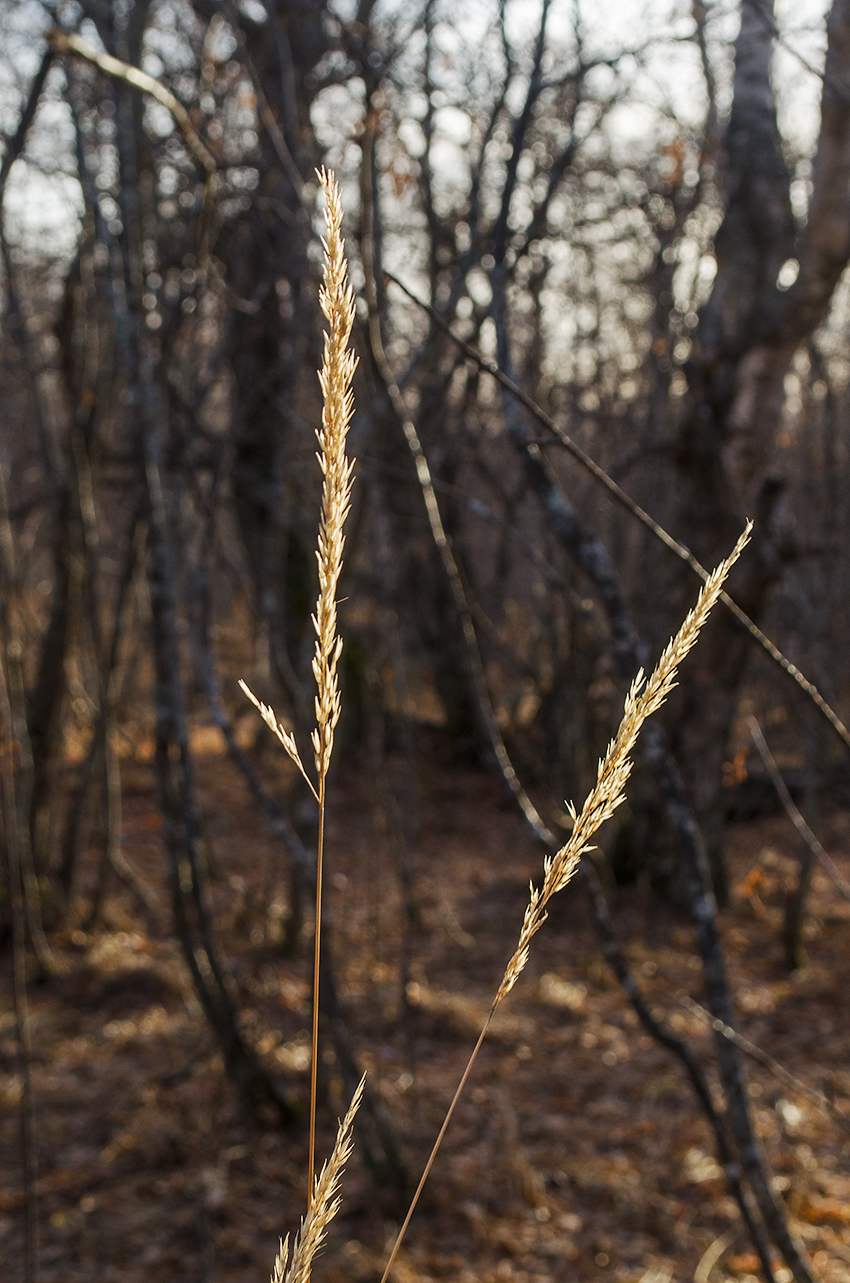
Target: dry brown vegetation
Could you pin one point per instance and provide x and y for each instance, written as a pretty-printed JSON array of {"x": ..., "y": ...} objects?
[{"x": 578, "y": 1148}]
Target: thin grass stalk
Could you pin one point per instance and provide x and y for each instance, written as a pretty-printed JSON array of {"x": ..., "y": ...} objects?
[
  {"x": 314, "y": 1037},
  {"x": 643, "y": 699}
]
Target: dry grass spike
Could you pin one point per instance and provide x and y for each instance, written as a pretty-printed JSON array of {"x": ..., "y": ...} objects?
[
  {"x": 336, "y": 299},
  {"x": 643, "y": 699},
  {"x": 324, "y": 1205},
  {"x": 338, "y": 366}
]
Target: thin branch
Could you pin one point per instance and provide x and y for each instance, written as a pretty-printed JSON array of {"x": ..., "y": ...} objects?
[
  {"x": 426, "y": 483},
  {"x": 15, "y": 145},
  {"x": 826, "y": 861},
  {"x": 779, "y": 1071},
  {"x": 617, "y": 961},
  {"x": 63, "y": 42},
  {"x": 625, "y": 501}
]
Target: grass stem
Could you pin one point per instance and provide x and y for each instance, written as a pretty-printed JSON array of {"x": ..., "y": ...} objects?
[{"x": 317, "y": 945}]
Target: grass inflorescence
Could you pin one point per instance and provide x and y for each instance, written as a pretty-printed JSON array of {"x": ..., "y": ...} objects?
[
  {"x": 339, "y": 362},
  {"x": 643, "y": 699}
]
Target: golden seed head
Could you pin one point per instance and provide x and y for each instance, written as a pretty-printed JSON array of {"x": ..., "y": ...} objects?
[
  {"x": 338, "y": 365},
  {"x": 608, "y": 792},
  {"x": 324, "y": 1204}
]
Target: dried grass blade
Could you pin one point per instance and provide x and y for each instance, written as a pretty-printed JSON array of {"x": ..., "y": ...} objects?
[{"x": 286, "y": 738}]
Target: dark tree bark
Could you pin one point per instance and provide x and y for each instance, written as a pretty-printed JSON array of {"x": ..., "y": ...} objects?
[
  {"x": 748, "y": 334},
  {"x": 46, "y": 697},
  {"x": 273, "y": 346},
  {"x": 189, "y": 895}
]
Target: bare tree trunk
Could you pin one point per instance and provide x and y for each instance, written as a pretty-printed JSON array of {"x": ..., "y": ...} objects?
[
  {"x": 747, "y": 336},
  {"x": 20, "y": 706},
  {"x": 273, "y": 346},
  {"x": 192, "y": 919},
  {"x": 46, "y": 698},
  {"x": 616, "y": 959},
  {"x": 100, "y": 748},
  {"x": 21, "y": 907}
]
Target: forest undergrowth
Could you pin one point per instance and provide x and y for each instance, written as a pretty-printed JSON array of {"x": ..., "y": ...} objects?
[{"x": 578, "y": 1146}]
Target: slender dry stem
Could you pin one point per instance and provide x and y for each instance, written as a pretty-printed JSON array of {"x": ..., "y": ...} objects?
[
  {"x": 314, "y": 1033},
  {"x": 643, "y": 699}
]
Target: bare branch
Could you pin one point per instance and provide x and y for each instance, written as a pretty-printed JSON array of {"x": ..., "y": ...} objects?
[
  {"x": 62, "y": 42},
  {"x": 599, "y": 474}
]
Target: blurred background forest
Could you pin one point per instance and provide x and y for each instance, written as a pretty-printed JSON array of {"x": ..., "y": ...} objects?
[{"x": 602, "y": 317}]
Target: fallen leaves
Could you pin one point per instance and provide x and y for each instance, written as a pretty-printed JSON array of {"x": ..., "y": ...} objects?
[{"x": 579, "y": 1140}]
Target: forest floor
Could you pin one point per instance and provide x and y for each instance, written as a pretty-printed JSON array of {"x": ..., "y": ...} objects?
[{"x": 578, "y": 1151}]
